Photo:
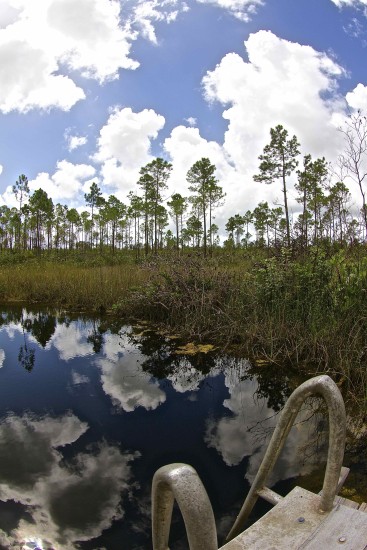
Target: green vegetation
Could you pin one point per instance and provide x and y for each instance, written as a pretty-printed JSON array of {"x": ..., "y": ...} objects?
[
  {"x": 309, "y": 313},
  {"x": 325, "y": 213},
  {"x": 76, "y": 282},
  {"x": 293, "y": 292},
  {"x": 278, "y": 162}
]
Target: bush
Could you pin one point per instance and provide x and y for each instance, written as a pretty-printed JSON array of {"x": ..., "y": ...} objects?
[{"x": 308, "y": 313}]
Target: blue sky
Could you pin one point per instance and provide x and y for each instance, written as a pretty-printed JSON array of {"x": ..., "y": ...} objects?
[{"x": 91, "y": 90}]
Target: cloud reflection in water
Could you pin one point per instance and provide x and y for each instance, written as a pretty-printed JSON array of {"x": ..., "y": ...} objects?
[
  {"x": 71, "y": 341},
  {"x": 124, "y": 380},
  {"x": 247, "y": 431},
  {"x": 184, "y": 377},
  {"x": 67, "y": 501}
]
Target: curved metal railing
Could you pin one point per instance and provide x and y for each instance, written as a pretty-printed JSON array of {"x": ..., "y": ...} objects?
[
  {"x": 325, "y": 387},
  {"x": 181, "y": 482}
]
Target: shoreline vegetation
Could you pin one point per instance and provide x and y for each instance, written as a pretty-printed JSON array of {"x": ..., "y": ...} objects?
[
  {"x": 77, "y": 282},
  {"x": 305, "y": 312},
  {"x": 292, "y": 293}
]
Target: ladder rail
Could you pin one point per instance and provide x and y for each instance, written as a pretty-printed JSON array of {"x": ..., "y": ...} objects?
[
  {"x": 181, "y": 482},
  {"x": 325, "y": 387}
]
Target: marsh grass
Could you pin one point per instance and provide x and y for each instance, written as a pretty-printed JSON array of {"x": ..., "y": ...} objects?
[
  {"x": 308, "y": 313},
  {"x": 71, "y": 286}
]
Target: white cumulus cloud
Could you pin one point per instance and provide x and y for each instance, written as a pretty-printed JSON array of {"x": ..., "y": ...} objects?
[
  {"x": 242, "y": 9},
  {"x": 124, "y": 146},
  {"x": 41, "y": 41},
  {"x": 28, "y": 80},
  {"x": 281, "y": 82},
  {"x": 66, "y": 183},
  {"x": 8, "y": 13},
  {"x": 185, "y": 146},
  {"x": 351, "y": 3},
  {"x": 147, "y": 13},
  {"x": 357, "y": 98},
  {"x": 191, "y": 121},
  {"x": 73, "y": 142},
  {"x": 94, "y": 40}
]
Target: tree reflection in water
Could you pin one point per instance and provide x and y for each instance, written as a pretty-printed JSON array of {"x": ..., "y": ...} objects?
[
  {"x": 26, "y": 357},
  {"x": 79, "y": 450},
  {"x": 96, "y": 337}
]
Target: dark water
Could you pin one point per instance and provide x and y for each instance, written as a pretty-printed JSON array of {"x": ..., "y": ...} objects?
[{"x": 88, "y": 412}]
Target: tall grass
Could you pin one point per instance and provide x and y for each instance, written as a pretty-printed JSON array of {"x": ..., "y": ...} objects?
[
  {"x": 310, "y": 313},
  {"x": 71, "y": 286}
]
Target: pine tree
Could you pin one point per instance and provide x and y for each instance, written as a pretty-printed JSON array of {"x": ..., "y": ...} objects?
[{"x": 278, "y": 161}]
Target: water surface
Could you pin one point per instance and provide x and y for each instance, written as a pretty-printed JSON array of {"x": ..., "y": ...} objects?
[{"x": 89, "y": 411}]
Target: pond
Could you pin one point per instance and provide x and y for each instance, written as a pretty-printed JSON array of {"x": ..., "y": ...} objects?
[{"x": 89, "y": 410}]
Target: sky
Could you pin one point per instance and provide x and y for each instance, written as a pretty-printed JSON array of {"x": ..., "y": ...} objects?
[{"x": 92, "y": 90}]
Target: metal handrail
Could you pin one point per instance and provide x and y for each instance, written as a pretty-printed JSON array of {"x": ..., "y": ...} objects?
[
  {"x": 320, "y": 385},
  {"x": 181, "y": 482}
]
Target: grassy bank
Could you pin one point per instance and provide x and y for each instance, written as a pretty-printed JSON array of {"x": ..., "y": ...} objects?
[
  {"x": 72, "y": 286},
  {"x": 310, "y": 313}
]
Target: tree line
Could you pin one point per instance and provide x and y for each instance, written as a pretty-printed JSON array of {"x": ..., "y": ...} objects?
[{"x": 141, "y": 224}]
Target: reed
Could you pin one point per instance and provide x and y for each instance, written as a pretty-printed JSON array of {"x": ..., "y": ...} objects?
[
  {"x": 71, "y": 286},
  {"x": 308, "y": 313}
]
